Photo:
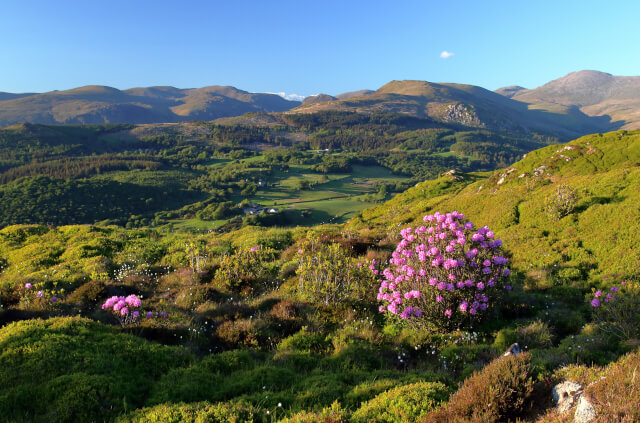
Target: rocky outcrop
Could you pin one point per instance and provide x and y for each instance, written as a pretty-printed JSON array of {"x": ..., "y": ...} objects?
[
  {"x": 462, "y": 114},
  {"x": 570, "y": 396},
  {"x": 566, "y": 394}
]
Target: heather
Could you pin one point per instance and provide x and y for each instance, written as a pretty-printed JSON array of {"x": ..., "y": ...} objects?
[{"x": 402, "y": 314}]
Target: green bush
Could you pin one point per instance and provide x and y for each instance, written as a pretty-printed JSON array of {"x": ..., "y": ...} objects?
[
  {"x": 246, "y": 270},
  {"x": 328, "y": 275},
  {"x": 333, "y": 414},
  {"x": 403, "y": 404},
  {"x": 534, "y": 335},
  {"x": 619, "y": 311},
  {"x": 198, "y": 383},
  {"x": 500, "y": 391},
  {"x": 562, "y": 202},
  {"x": 202, "y": 412},
  {"x": 74, "y": 369},
  {"x": 305, "y": 341}
]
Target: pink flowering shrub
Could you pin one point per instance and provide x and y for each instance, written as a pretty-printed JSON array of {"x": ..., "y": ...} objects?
[
  {"x": 126, "y": 309},
  {"x": 617, "y": 310},
  {"x": 444, "y": 274},
  {"x": 34, "y": 296}
]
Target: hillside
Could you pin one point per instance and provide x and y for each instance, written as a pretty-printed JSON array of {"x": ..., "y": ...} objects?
[
  {"x": 466, "y": 105},
  {"x": 283, "y": 324},
  {"x": 594, "y": 93},
  {"x": 99, "y": 104},
  {"x": 604, "y": 171}
]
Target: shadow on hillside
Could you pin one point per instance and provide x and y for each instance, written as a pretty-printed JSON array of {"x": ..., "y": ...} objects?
[
  {"x": 13, "y": 315},
  {"x": 598, "y": 200}
]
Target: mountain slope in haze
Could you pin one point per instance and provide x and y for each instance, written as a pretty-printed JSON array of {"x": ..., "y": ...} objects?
[
  {"x": 100, "y": 104},
  {"x": 599, "y": 240},
  {"x": 11, "y": 96},
  {"x": 595, "y": 93},
  {"x": 510, "y": 91},
  {"x": 467, "y": 105}
]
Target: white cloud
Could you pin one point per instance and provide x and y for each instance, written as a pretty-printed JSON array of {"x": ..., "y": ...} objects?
[
  {"x": 446, "y": 54},
  {"x": 294, "y": 97}
]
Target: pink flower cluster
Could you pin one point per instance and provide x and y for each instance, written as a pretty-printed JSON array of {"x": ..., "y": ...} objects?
[
  {"x": 443, "y": 270},
  {"x": 123, "y": 305},
  {"x": 599, "y": 297},
  {"x": 127, "y": 309}
]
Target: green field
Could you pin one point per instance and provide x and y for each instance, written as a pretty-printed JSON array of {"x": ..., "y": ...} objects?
[{"x": 333, "y": 201}]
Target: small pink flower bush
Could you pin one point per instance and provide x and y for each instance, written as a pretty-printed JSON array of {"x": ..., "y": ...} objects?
[
  {"x": 445, "y": 274},
  {"x": 126, "y": 309},
  {"x": 36, "y": 297},
  {"x": 617, "y": 309}
]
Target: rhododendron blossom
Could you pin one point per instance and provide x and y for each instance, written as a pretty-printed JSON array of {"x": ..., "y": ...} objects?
[
  {"x": 126, "y": 309},
  {"x": 445, "y": 273}
]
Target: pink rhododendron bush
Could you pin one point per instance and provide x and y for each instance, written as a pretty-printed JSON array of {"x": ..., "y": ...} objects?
[
  {"x": 617, "y": 310},
  {"x": 128, "y": 310},
  {"x": 445, "y": 274}
]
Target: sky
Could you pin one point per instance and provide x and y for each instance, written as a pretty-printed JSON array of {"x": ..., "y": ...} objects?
[{"x": 308, "y": 47}]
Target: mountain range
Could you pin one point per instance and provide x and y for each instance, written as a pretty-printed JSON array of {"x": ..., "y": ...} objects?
[
  {"x": 101, "y": 104},
  {"x": 576, "y": 104},
  {"x": 595, "y": 93}
]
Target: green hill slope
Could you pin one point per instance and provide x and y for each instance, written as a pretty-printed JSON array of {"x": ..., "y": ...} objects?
[{"x": 598, "y": 240}]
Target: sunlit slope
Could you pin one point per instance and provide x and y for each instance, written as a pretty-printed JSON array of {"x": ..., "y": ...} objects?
[{"x": 599, "y": 239}]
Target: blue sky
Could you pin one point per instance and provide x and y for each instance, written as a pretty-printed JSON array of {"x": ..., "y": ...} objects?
[{"x": 307, "y": 47}]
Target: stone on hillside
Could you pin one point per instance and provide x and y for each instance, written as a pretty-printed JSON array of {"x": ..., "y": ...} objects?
[
  {"x": 514, "y": 350},
  {"x": 585, "y": 412},
  {"x": 566, "y": 394}
]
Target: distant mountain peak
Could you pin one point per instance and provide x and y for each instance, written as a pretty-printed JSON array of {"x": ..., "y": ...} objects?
[
  {"x": 318, "y": 98},
  {"x": 103, "y": 104}
]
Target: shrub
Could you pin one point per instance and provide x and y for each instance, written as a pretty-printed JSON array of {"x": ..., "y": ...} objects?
[
  {"x": 403, "y": 404},
  {"x": 328, "y": 275},
  {"x": 36, "y": 296},
  {"x": 500, "y": 391},
  {"x": 246, "y": 333},
  {"x": 505, "y": 337},
  {"x": 333, "y": 414},
  {"x": 618, "y": 310},
  {"x": 246, "y": 269},
  {"x": 305, "y": 341},
  {"x": 228, "y": 362},
  {"x": 617, "y": 396},
  {"x": 193, "y": 413},
  {"x": 87, "y": 294},
  {"x": 561, "y": 203},
  {"x": 444, "y": 275},
  {"x": 534, "y": 335},
  {"x": 74, "y": 369}
]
